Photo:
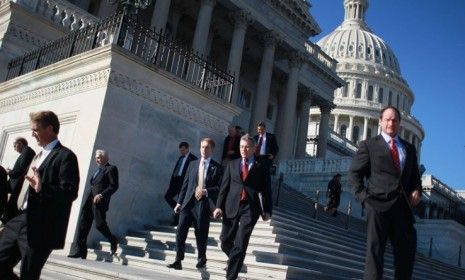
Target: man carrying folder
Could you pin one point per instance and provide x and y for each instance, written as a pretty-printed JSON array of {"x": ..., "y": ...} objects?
[{"x": 245, "y": 194}]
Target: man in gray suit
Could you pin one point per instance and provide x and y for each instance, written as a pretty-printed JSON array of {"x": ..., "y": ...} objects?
[
  {"x": 104, "y": 183},
  {"x": 388, "y": 165}
]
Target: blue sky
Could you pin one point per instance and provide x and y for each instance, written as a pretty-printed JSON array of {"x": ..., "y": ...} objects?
[{"x": 428, "y": 38}]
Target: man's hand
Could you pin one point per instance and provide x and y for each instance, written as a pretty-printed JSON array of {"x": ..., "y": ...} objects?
[
  {"x": 98, "y": 198},
  {"x": 217, "y": 213},
  {"x": 34, "y": 180},
  {"x": 199, "y": 194},
  {"x": 415, "y": 198},
  {"x": 177, "y": 208}
]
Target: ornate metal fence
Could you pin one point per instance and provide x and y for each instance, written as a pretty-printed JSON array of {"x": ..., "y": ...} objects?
[{"x": 125, "y": 31}]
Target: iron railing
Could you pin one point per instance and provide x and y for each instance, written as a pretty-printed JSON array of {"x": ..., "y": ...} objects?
[{"x": 152, "y": 47}]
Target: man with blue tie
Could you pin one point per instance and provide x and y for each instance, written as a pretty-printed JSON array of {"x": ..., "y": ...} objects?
[
  {"x": 177, "y": 177},
  {"x": 386, "y": 179},
  {"x": 104, "y": 183},
  {"x": 245, "y": 194},
  {"x": 196, "y": 203}
]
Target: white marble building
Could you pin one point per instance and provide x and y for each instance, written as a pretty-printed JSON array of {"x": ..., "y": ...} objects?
[{"x": 137, "y": 94}]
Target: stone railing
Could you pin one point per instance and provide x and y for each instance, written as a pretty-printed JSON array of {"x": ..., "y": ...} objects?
[
  {"x": 342, "y": 142},
  {"x": 430, "y": 182},
  {"x": 320, "y": 55},
  {"x": 314, "y": 165},
  {"x": 60, "y": 12}
]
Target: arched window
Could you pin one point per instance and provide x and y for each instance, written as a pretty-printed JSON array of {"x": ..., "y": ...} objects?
[
  {"x": 380, "y": 96},
  {"x": 358, "y": 94},
  {"x": 390, "y": 98},
  {"x": 370, "y": 93},
  {"x": 343, "y": 130},
  {"x": 397, "y": 102},
  {"x": 355, "y": 134},
  {"x": 345, "y": 90}
]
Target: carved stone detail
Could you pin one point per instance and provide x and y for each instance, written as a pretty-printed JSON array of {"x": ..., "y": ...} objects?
[
  {"x": 53, "y": 92},
  {"x": 168, "y": 102}
]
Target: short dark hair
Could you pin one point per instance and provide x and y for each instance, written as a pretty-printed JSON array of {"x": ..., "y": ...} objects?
[
  {"x": 46, "y": 118},
  {"x": 184, "y": 144},
  {"x": 210, "y": 142},
  {"x": 390, "y": 107},
  {"x": 262, "y": 124},
  {"x": 21, "y": 140}
]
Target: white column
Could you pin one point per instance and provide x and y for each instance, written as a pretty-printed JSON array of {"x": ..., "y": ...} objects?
[
  {"x": 286, "y": 120},
  {"x": 365, "y": 128},
  {"x": 379, "y": 129},
  {"x": 202, "y": 27},
  {"x": 160, "y": 15},
  {"x": 301, "y": 149},
  {"x": 323, "y": 132},
  {"x": 336, "y": 123},
  {"x": 242, "y": 19},
  {"x": 262, "y": 95},
  {"x": 350, "y": 128}
]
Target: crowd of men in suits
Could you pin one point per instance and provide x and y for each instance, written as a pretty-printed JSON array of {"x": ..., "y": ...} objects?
[{"x": 41, "y": 188}]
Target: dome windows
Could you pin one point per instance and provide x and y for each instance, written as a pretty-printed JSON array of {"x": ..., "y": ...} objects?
[
  {"x": 370, "y": 93},
  {"x": 358, "y": 93},
  {"x": 380, "y": 96}
]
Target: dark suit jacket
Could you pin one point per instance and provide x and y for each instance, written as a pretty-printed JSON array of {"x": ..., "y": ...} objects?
[
  {"x": 237, "y": 154},
  {"x": 3, "y": 189},
  {"x": 106, "y": 184},
  {"x": 271, "y": 144},
  {"x": 20, "y": 168},
  {"x": 190, "y": 158},
  {"x": 373, "y": 161},
  {"x": 212, "y": 183},
  {"x": 258, "y": 181},
  {"x": 48, "y": 210}
]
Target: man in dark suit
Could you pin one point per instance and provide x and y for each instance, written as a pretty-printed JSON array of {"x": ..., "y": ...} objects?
[
  {"x": 3, "y": 189},
  {"x": 177, "y": 177},
  {"x": 231, "y": 145},
  {"x": 38, "y": 219},
  {"x": 196, "y": 202},
  {"x": 26, "y": 154},
  {"x": 104, "y": 183},
  {"x": 245, "y": 194},
  {"x": 389, "y": 166},
  {"x": 267, "y": 146}
]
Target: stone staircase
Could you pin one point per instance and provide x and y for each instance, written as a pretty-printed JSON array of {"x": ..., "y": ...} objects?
[{"x": 298, "y": 243}]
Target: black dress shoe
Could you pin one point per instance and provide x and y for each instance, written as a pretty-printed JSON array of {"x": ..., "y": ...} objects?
[
  {"x": 201, "y": 264},
  {"x": 114, "y": 247},
  {"x": 78, "y": 255},
  {"x": 176, "y": 265}
]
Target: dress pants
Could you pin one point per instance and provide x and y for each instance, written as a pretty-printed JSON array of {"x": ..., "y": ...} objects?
[
  {"x": 235, "y": 236},
  {"x": 397, "y": 225},
  {"x": 14, "y": 247},
  {"x": 197, "y": 213},
  {"x": 88, "y": 213}
]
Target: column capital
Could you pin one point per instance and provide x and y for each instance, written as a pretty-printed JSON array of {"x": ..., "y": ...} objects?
[
  {"x": 325, "y": 108},
  {"x": 296, "y": 59},
  {"x": 241, "y": 18},
  {"x": 270, "y": 39}
]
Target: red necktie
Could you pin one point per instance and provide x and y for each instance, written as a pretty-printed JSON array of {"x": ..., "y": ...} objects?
[
  {"x": 395, "y": 154},
  {"x": 259, "y": 146},
  {"x": 244, "y": 173}
]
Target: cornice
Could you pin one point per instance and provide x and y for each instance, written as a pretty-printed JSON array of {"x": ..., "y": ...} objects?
[
  {"x": 57, "y": 91},
  {"x": 167, "y": 102}
]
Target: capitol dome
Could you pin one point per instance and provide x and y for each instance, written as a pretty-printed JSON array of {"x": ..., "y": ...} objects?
[
  {"x": 359, "y": 43},
  {"x": 373, "y": 81}
]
